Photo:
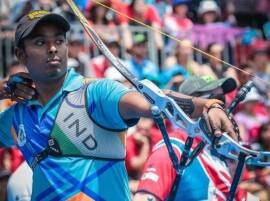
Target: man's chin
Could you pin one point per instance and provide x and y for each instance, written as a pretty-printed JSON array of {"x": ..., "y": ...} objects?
[{"x": 56, "y": 74}]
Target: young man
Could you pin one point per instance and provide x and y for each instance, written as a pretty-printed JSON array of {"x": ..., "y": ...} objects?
[
  {"x": 73, "y": 134},
  {"x": 208, "y": 177}
]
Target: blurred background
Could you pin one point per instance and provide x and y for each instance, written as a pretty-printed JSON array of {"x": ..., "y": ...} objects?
[{"x": 236, "y": 31}]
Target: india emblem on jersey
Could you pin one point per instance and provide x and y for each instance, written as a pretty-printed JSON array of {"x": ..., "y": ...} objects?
[{"x": 21, "y": 135}]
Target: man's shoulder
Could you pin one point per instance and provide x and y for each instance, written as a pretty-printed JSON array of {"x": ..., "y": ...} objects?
[
  {"x": 103, "y": 87},
  {"x": 102, "y": 82}
]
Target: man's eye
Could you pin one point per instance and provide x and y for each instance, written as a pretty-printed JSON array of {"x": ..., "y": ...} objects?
[
  {"x": 39, "y": 42},
  {"x": 60, "y": 41}
]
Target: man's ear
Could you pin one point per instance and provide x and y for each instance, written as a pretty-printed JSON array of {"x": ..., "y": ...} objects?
[{"x": 20, "y": 54}]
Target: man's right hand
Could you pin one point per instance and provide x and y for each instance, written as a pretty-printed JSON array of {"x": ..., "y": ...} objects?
[
  {"x": 3, "y": 92},
  {"x": 18, "y": 87}
]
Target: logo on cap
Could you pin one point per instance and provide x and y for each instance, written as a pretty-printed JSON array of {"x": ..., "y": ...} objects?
[{"x": 37, "y": 14}]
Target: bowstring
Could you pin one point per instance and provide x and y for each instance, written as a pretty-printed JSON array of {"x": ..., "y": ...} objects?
[{"x": 180, "y": 41}]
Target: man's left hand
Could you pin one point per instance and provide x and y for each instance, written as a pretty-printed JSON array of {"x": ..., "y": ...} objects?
[{"x": 220, "y": 122}]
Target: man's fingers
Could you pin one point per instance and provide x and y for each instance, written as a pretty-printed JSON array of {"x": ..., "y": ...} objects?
[
  {"x": 217, "y": 132},
  {"x": 26, "y": 89},
  {"x": 17, "y": 99},
  {"x": 220, "y": 123},
  {"x": 21, "y": 94},
  {"x": 229, "y": 128},
  {"x": 216, "y": 128}
]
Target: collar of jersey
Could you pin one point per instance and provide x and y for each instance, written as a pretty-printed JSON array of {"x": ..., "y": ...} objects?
[{"x": 73, "y": 81}]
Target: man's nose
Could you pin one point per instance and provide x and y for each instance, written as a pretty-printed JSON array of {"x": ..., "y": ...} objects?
[{"x": 52, "y": 48}]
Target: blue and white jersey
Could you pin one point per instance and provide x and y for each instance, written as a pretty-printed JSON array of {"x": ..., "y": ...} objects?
[{"x": 69, "y": 178}]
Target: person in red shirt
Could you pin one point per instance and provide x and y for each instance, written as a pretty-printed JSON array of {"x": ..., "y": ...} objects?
[
  {"x": 177, "y": 23},
  {"x": 144, "y": 13},
  {"x": 100, "y": 64},
  {"x": 256, "y": 179},
  {"x": 105, "y": 21},
  {"x": 137, "y": 151}
]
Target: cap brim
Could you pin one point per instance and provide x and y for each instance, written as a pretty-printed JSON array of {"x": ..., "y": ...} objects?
[
  {"x": 227, "y": 84},
  {"x": 54, "y": 18}
]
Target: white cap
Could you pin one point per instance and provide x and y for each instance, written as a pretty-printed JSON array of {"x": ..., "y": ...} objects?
[{"x": 207, "y": 6}]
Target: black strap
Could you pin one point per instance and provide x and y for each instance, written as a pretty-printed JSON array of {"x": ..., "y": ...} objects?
[{"x": 53, "y": 149}]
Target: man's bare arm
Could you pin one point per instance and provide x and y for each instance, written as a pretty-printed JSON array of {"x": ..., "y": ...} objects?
[{"x": 134, "y": 105}]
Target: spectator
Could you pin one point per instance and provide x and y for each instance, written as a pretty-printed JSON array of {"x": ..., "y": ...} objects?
[
  {"x": 5, "y": 7},
  {"x": 138, "y": 150},
  {"x": 19, "y": 9},
  {"x": 138, "y": 147},
  {"x": 242, "y": 78},
  {"x": 102, "y": 20},
  {"x": 248, "y": 118},
  {"x": 215, "y": 67},
  {"x": 263, "y": 139},
  {"x": 229, "y": 10},
  {"x": 139, "y": 64},
  {"x": 260, "y": 63},
  {"x": 163, "y": 7},
  {"x": 208, "y": 87},
  {"x": 100, "y": 64},
  {"x": 64, "y": 10},
  {"x": 209, "y": 12},
  {"x": 177, "y": 23},
  {"x": 122, "y": 23},
  {"x": 143, "y": 12},
  {"x": 250, "y": 13},
  {"x": 49, "y": 5},
  {"x": 256, "y": 179},
  {"x": 147, "y": 14},
  {"x": 183, "y": 59},
  {"x": 78, "y": 57}
]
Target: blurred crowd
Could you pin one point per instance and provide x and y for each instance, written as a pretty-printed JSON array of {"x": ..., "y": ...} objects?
[{"x": 237, "y": 31}]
